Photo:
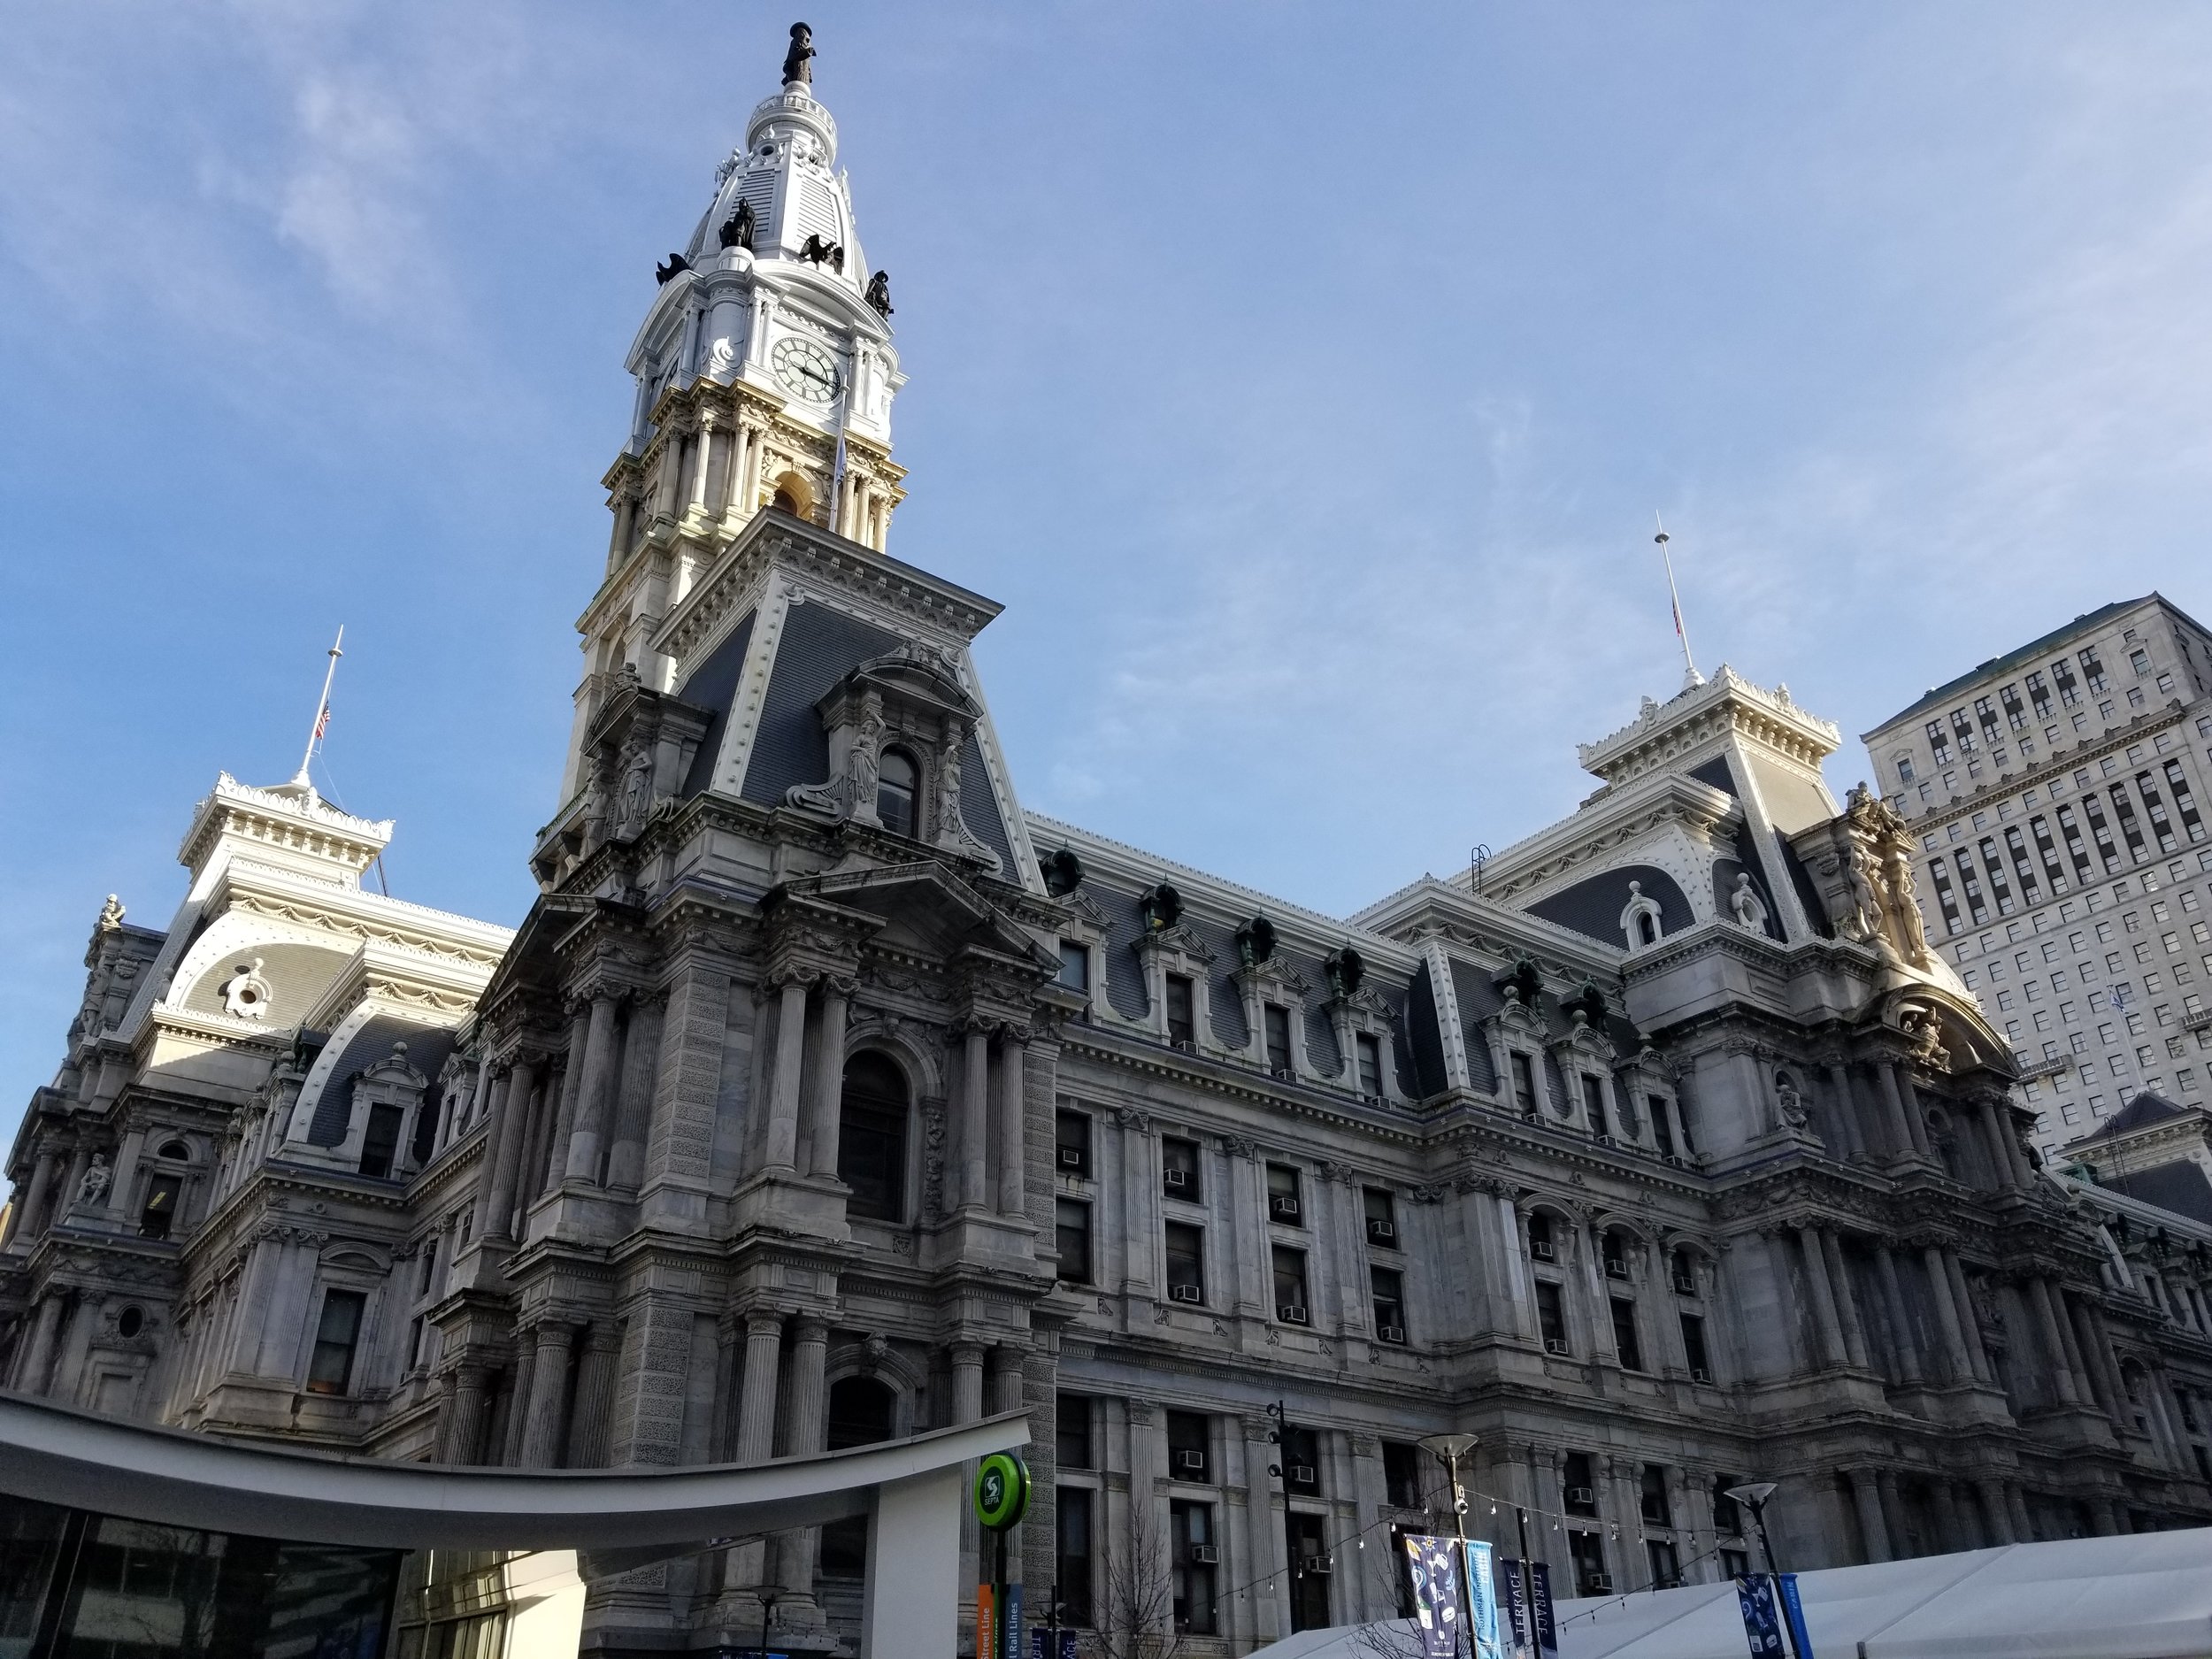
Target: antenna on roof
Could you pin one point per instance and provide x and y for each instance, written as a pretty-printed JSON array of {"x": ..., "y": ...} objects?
[
  {"x": 322, "y": 709},
  {"x": 1690, "y": 677}
]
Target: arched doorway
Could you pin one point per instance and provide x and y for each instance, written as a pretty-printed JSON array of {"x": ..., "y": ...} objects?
[{"x": 861, "y": 1412}]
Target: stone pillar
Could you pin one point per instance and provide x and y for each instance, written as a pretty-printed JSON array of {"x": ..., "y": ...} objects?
[
  {"x": 2017, "y": 1503},
  {"x": 757, "y": 1397},
  {"x": 1846, "y": 1304},
  {"x": 461, "y": 1431},
  {"x": 967, "y": 1381},
  {"x": 38, "y": 1200},
  {"x": 973, "y": 1112},
  {"x": 805, "y": 1402},
  {"x": 1866, "y": 1497},
  {"x": 1996, "y": 1513},
  {"x": 595, "y": 1106},
  {"x": 1949, "y": 1319},
  {"x": 779, "y": 1147},
  {"x": 545, "y": 1429},
  {"x": 594, "y": 1396},
  {"x": 555, "y": 1158},
  {"x": 1969, "y": 1328},
  {"x": 1824, "y": 1318},
  {"x": 640, "y": 1046},
  {"x": 2009, "y": 1142},
  {"x": 2065, "y": 1366},
  {"x": 2103, "y": 1520},
  {"x": 1013, "y": 1159},
  {"x": 502, "y": 1150},
  {"x": 1901, "y": 1141},
  {"x": 1847, "y": 1111},
  {"x": 829, "y": 1080},
  {"x": 519, "y": 1388},
  {"x": 38, "y": 1353},
  {"x": 1948, "y": 1520},
  {"x": 1270, "y": 1584},
  {"x": 2097, "y": 1356},
  {"x": 1893, "y": 1514},
  {"x": 1897, "y": 1318}
]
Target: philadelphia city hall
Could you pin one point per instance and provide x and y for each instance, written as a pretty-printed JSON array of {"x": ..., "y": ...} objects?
[{"x": 824, "y": 1095}]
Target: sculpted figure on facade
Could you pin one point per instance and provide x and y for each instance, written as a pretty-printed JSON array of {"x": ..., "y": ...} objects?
[
  {"x": 798, "y": 63},
  {"x": 637, "y": 791},
  {"x": 92, "y": 1186},
  {"x": 111, "y": 914}
]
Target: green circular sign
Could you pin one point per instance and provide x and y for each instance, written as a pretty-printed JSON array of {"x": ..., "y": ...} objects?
[{"x": 1002, "y": 1491}]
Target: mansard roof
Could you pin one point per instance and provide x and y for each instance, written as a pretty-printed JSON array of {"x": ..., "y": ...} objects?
[
  {"x": 2039, "y": 647},
  {"x": 2139, "y": 1113}
]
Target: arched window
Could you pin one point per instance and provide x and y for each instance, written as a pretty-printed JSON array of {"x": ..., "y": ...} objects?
[
  {"x": 898, "y": 782},
  {"x": 860, "y": 1410},
  {"x": 872, "y": 1137},
  {"x": 786, "y": 503},
  {"x": 1646, "y": 928}
]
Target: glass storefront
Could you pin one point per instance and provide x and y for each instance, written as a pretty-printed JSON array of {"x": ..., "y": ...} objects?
[{"x": 77, "y": 1585}]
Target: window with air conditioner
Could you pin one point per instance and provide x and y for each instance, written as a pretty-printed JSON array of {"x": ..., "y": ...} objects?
[
  {"x": 1285, "y": 1197},
  {"x": 1382, "y": 1216},
  {"x": 1189, "y": 1446},
  {"x": 1301, "y": 1461},
  {"x": 1578, "y": 1479},
  {"x": 1072, "y": 1143},
  {"x": 1178, "y": 1169},
  {"x": 1182, "y": 1026},
  {"x": 1694, "y": 1353},
  {"x": 1541, "y": 1245},
  {"x": 1289, "y": 1267},
  {"x": 1684, "y": 1273},
  {"x": 1387, "y": 1288},
  {"x": 1195, "y": 1560},
  {"x": 1311, "y": 1571},
  {"x": 1185, "y": 1254},
  {"x": 1551, "y": 1316}
]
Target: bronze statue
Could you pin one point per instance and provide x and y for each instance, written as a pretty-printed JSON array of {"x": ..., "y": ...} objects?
[
  {"x": 798, "y": 63},
  {"x": 818, "y": 250},
  {"x": 664, "y": 274},
  {"x": 737, "y": 230},
  {"x": 880, "y": 293}
]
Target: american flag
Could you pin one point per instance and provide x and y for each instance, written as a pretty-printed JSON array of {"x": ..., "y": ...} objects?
[{"x": 322, "y": 719}]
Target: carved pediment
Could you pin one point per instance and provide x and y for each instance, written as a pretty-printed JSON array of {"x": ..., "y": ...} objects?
[
  {"x": 1178, "y": 939},
  {"x": 930, "y": 907}
]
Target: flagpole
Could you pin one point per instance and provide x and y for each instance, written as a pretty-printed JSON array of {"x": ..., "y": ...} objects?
[
  {"x": 1690, "y": 676},
  {"x": 322, "y": 707}
]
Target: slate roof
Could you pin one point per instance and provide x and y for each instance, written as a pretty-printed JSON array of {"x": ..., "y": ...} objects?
[
  {"x": 2139, "y": 1113},
  {"x": 2180, "y": 1186},
  {"x": 2019, "y": 659}
]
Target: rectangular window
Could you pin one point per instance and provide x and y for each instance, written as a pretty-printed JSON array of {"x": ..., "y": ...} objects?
[
  {"x": 1290, "y": 1285},
  {"x": 159, "y": 1214},
  {"x": 1178, "y": 1169},
  {"x": 1071, "y": 1424},
  {"x": 1524, "y": 1084},
  {"x": 381, "y": 1145},
  {"x": 1368, "y": 1050},
  {"x": 1186, "y": 1262},
  {"x": 1727, "y": 1514},
  {"x": 1625, "y": 1342},
  {"x": 428, "y": 1271},
  {"x": 1075, "y": 965},
  {"x": 1072, "y": 1143},
  {"x": 1401, "y": 1474},
  {"x": 1189, "y": 1446},
  {"x": 337, "y": 1333},
  {"x": 1276, "y": 1018},
  {"x": 1301, "y": 1461},
  {"x": 1071, "y": 1236},
  {"x": 1284, "y": 1205},
  {"x": 1389, "y": 1289},
  {"x": 1551, "y": 1316},
  {"x": 1662, "y": 1128},
  {"x": 1182, "y": 1024},
  {"x": 1311, "y": 1570},
  {"x": 1193, "y": 1558},
  {"x": 1653, "y": 1502},
  {"x": 1072, "y": 1533},
  {"x": 1693, "y": 1350},
  {"x": 1594, "y": 1103},
  {"x": 1666, "y": 1567},
  {"x": 1578, "y": 1478},
  {"x": 1540, "y": 1247},
  {"x": 1382, "y": 1216}
]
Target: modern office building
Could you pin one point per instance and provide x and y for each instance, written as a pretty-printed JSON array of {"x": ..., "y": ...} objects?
[
  {"x": 2065, "y": 864},
  {"x": 825, "y": 1095}
]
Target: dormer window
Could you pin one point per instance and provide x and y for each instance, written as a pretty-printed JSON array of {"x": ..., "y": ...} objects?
[
  {"x": 1182, "y": 1025},
  {"x": 898, "y": 782}
]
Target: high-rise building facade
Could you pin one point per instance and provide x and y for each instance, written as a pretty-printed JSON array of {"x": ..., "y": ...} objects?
[
  {"x": 825, "y": 1095},
  {"x": 2058, "y": 796}
]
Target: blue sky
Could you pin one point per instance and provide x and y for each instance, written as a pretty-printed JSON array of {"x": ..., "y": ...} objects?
[{"x": 1303, "y": 379}]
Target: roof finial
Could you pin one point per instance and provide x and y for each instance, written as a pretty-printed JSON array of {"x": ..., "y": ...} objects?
[
  {"x": 798, "y": 65},
  {"x": 1690, "y": 678},
  {"x": 322, "y": 711}
]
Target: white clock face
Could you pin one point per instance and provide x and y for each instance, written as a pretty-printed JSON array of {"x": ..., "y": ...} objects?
[{"x": 806, "y": 370}]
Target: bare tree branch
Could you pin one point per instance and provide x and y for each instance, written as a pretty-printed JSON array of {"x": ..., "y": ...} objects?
[{"x": 1134, "y": 1592}]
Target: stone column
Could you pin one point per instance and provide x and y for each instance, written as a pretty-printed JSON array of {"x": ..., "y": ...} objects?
[
  {"x": 1893, "y": 1514},
  {"x": 1903, "y": 1142},
  {"x": 1847, "y": 1110},
  {"x": 1969, "y": 1328},
  {"x": 39, "y": 1200},
  {"x": 519, "y": 1388},
  {"x": 974, "y": 1115},
  {"x": 1866, "y": 1497},
  {"x": 1270, "y": 1584},
  {"x": 595, "y": 1110},
  {"x": 805, "y": 1402},
  {"x": 1897, "y": 1317},
  {"x": 547, "y": 1416},
  {"x": 779, "y": 1147},
  {"x": 461, "y": 1431},
  {"x": 1138, "y": 1183},
  {"x": 1948, "y": 1520},
  {"x": 2065, "y": 1368},
  {"x": 2009, "y": 1142},
  {"x": 554, "y": 1164},
  {"x": 641, "y": 1048},
  {"x": 1996, "y": 1513},
  {"x": 2097, "y": 1356},
  {"x": 1824, "y": 1318},
  {"x": 594, "y": 1396},
  {"x": 38, "y": 1354},
  {"x": 502, "y": 1150},
  {"x": 2016, "y": 1505},
  {"x": 757, "y": 1397},
  {"x": 829, "y": 1080},
  {"x": 967, "y": 1381},
  {"x": 1846, "y": 1304},
  {"x": 1013, "y": 1161},
  {"x": 2103, "y": 1520},
  {"x": 1950, "y": 1320}
]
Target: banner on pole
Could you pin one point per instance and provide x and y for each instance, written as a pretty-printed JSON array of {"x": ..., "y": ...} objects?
[
  {"x": 1435, "y": 1596},
  {"x": 1546, "y": 1633},
  {"x": 1012, "y": 1642},
  {"x": 1761, "y": 1624},
  {"x": 1482, "y": 1602},
  {"x": 985, "y": 1623},
  {"x": 1040, "y": 1644},
  {"x": 1513, "y": 1597},
  {"x": 1793, "y": 1612}
]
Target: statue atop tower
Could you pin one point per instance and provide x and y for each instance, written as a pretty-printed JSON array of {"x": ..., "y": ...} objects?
[{"x": 798, "y": 63}]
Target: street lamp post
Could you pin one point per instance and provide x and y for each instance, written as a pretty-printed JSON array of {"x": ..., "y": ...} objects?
[
  {"x": 1448, "y": 1449},
  {"x": 767, "y": 1613},
  {"x": 1754, "y": 1495}
]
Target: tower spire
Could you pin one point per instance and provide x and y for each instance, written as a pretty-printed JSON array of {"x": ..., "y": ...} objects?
[
  {"x": 1690, "y": 677},
  {"x": 322, "y": 710}
]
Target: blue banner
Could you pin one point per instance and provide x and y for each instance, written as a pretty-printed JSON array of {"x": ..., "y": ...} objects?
[
  {"x": 1482, "y": 1602},
  {"x": 1013, "y": 1643},
  {"x": 1513, "y": 1596},
  {"x": 1435, "y": 1596},
  {"x": 1546, "y": 1633},
  {"x": 1040, "y": 1644},
  {"x": 1794, "y": 1610},
  {"x": 1761, "y": 1623}
]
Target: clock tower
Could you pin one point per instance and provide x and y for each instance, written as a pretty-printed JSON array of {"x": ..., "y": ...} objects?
[{"x": 764, "y": 372}]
